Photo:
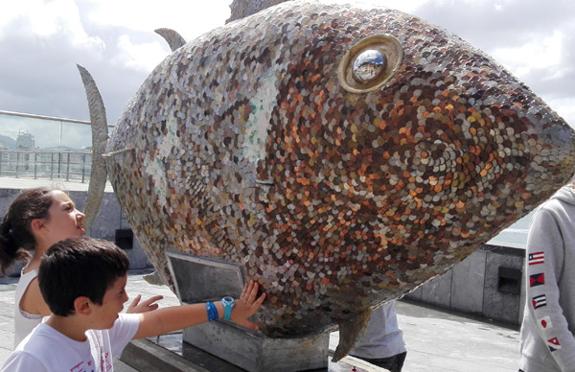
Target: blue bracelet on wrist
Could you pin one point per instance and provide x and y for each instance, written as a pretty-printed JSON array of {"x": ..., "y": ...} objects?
[{"x": 212, "y": 311}]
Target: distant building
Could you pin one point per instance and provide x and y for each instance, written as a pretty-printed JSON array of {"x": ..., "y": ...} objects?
[{"x": 25, "y": 141}]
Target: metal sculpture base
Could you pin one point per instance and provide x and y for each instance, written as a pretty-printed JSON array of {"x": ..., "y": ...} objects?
[
  {"x": 197, "y": 279},
  {"x": 168, "y": 353},
  {"x": 255, "y": 352}
]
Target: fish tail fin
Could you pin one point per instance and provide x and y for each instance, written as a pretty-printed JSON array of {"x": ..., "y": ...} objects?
[
  {"x": 349, "y": 331},
  {"x": 174, "y": 39},
  {"x": 98, "y": 174}
]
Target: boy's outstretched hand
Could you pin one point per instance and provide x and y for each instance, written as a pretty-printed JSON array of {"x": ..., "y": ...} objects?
[
  {"x": 247, "y": 305},
  {"x": 145, "y": 306}
]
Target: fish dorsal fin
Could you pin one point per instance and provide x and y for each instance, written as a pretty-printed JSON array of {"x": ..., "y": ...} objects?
[
  {"x": 174, "y": 39},
  {"x": 244, "y": 8},
  {"x": 98, "y": 173}
]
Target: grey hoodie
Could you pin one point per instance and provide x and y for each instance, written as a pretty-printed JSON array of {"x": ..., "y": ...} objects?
[{"x": 547, "y": 341}]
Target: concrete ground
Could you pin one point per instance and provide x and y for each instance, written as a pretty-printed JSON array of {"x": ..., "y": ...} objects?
[{"x": 436, "y": 341}]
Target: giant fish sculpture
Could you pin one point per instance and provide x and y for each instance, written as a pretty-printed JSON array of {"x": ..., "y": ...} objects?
[{"x": 340, "y": 155}]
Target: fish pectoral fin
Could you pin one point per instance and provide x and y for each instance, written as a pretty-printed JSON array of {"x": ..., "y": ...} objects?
[
  {"x": 265, "y": 182},
  {"x": 117, "y": 152},
  {"x": 349, "y": 331}
]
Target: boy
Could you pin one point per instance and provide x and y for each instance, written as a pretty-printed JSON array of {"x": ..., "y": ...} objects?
[{"x": 83, "y": 282}]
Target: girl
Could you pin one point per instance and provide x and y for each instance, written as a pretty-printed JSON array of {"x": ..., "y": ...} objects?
[{"x": 35, "y": 220}]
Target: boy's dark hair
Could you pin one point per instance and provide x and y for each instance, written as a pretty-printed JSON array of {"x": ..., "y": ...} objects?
[
  {"x": 15, "y": 232},
  {"x": 79, "y": 267}
]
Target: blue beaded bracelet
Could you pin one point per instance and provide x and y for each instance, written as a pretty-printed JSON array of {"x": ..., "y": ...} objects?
[{"x": 212, "y": 311}]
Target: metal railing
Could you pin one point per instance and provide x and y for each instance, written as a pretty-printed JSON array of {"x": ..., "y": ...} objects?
[{"x": 65, "y": 165}]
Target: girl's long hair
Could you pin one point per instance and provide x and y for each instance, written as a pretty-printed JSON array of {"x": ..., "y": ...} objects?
[{"x": 16, "y": 238}]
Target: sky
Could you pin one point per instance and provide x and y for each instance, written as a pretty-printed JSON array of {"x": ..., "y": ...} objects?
[{"x": 42, "y": 40}]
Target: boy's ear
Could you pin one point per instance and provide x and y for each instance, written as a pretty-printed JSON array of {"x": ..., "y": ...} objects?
[{"x": 82, "y": 305}]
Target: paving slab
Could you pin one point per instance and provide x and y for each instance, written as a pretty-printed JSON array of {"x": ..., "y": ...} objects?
[{"x": 440, "y": 341}]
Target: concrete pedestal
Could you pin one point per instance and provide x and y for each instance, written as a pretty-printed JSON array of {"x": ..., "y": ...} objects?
[
  {"x": 168, "y": 353},
  {"x": 255, "y": 352}
]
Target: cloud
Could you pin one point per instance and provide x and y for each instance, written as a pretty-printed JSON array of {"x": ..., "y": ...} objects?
[
  {"x": 44, "y": 20},
  {"x": 41, "y": 41},
  {"x": 533, "y": 40},
  {"x": 541, "y": 54},
  {"x": 138, "y": 56},
  {"x": 190, "y": 18}
]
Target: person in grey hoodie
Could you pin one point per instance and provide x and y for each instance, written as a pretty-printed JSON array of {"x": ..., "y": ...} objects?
[{"x": 547, "y": 340}]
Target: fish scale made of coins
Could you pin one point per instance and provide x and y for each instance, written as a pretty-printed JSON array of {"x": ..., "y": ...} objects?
[{"x": 341, "y": 155}]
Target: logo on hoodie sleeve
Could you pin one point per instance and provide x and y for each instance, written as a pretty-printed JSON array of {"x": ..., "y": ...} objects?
[{"x": 536, "y": 280}]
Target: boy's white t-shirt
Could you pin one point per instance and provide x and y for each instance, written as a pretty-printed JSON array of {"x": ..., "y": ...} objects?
[{"x": 47, "y": 350}]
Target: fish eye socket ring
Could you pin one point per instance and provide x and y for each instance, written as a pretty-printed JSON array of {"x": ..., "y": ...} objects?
[{"x": 370, "y": 63}]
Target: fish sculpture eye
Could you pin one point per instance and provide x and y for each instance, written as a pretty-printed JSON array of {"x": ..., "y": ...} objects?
[{"x": 370, "y": 63}]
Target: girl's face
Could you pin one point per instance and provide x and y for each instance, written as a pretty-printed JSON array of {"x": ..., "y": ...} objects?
[{"x": 64, "y": 221}]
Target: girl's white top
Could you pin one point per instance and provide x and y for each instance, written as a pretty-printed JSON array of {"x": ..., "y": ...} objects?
[{"x": 24, "y": 322}]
